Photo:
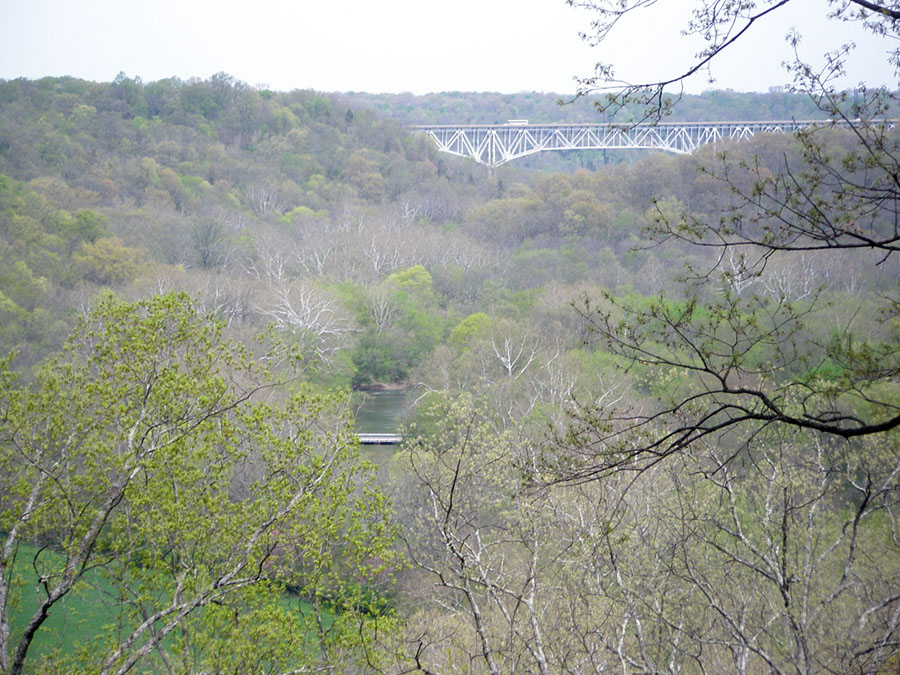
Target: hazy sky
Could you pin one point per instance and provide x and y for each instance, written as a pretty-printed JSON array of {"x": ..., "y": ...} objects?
[{"x": 391, "y": 45}]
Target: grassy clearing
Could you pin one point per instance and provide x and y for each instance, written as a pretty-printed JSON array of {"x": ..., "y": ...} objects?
[{"x": 93, "y": 610}]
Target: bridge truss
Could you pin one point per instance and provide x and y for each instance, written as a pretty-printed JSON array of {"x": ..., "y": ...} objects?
[{"x": 496, "y": 144}]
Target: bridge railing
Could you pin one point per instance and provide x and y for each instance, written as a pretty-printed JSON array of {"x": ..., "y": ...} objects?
[{"x": 496, "y": 144}]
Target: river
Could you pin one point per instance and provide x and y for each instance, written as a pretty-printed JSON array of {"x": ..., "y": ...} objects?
[{"x": 382, "y": 411}]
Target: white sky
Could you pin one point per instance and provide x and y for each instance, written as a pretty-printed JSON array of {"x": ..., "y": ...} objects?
[{"x": 418, "y": 46}]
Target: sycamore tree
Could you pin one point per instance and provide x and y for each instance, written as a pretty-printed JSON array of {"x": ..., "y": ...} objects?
[{"x": 155, "y": 459}]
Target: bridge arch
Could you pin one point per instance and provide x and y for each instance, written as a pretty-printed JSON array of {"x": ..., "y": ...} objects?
[{"x": 496, "y": 144}]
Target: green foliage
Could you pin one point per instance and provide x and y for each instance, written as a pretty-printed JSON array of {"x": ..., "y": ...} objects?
[
  {"x": 414, "y": 282},
  {"x": 406, "y": 329},
  {"x": 376, "y": 361},
  {"x": 474, "y": 326},
  {"x": 535, "y": 268},
  {"x": 492, "y": 108},
  {"x": 142, "y": 451},
  {"x": 109, "y": 262},
  {"x": 248, "y": 199},
  {"x": 88, "y": 226}
]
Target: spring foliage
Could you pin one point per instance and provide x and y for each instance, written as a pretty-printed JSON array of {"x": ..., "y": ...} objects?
[{"x": 150, "y": 454}]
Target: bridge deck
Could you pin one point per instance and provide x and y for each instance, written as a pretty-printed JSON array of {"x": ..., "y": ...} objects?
[
  {"x": 496, "y": 144},
  {"x": 379, "y": 439}
]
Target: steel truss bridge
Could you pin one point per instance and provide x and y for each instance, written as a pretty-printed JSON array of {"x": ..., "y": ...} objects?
[{"x": 496, "y": 144}]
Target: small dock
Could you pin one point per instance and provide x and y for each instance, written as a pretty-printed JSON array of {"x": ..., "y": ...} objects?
[{"x": 379, "y": 439}]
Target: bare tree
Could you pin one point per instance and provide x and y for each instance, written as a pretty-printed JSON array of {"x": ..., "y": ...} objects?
[
  {"x": 317, "y": 319},
  {"x": 757, "y": 531},
  {"x": 794, "y": 548},
  {"x": 488, "y": 546},
  {"x": 793, "y": 277},
  {"x": 383, "y": 307},
  {"x": 265, "y": 201},
  {"x": 515, "y": 356},
  {"x": 834, "y": 187},
  {"x": 569, "y": 579},
  {"x": 719, "y": 26}
]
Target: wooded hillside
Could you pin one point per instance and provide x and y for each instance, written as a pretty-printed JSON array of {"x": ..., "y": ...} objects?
[{"x": 565, "y": 331}]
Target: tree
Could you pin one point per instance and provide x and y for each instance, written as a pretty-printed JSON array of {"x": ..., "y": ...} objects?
[
  {"x": 743, "y": 360},
  {"x": 720, "y": 27},
  {"x": 487, "y": 546},
  {"x": 108, "y": 261},
  {"x": 762, "y": 418},
  {"x": 796, "y": 572},
  {"x": 150, "y": 456},
  {"x": 575, "y": 578},
  {"x": 315, "y": 318}
]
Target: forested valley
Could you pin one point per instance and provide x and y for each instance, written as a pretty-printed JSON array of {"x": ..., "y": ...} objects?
[{"x": 632, "y": 446}]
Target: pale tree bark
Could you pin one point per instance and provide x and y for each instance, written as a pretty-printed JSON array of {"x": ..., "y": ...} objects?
[
  {"x": 515, "y": 356},
  {"x": 541, "y": 576},
  {"x": 311, "y": 314}
]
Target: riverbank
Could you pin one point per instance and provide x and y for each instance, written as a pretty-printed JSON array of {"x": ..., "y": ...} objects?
[{"x": 384, "y": 386}]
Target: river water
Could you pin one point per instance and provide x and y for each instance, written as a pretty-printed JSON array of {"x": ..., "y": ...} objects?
[{"x": 382, "y": 412}]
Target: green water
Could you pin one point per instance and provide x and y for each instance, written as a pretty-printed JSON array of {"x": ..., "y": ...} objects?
[{"x": 382, "y": 412}]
